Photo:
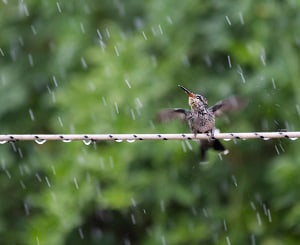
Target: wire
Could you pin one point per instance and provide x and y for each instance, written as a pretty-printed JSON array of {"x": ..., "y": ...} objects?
[{"x": 88, "y": 138}]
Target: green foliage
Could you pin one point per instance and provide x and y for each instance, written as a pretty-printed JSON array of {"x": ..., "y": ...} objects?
[{"x": 110, "y": 67}]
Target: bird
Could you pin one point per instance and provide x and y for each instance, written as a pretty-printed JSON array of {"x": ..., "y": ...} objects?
[{"x": 201, "y": 118}]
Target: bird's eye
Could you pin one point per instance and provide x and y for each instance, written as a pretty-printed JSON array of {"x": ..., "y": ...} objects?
[{"x": 202, "y": 99}]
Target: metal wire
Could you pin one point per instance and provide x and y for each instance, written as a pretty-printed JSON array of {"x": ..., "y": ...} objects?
[{"x": 88, "y": 138}]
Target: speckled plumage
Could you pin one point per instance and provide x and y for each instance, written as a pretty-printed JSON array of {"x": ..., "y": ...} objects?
[
  {"x": 201, "y": 118},
  {"x": 201, "y": 121}
]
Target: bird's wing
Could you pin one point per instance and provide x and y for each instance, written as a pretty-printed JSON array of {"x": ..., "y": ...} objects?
[
  {"x": 231, "y": 104},
  {"x": 171, "y": 114}
]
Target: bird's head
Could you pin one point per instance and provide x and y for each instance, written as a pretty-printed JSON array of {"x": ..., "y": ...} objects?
[{"x": 196, "y": 101}]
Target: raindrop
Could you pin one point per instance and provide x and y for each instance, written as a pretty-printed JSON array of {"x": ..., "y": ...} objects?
[
  {"x": 185, "y": 61},
  {"x": 60, "y": 121},
  {"x": 99, "y": 34},
  {"x": 276, "y": 148},
  {"x": 116, "y": 108},
  {"x": 252, "y": 205},
  {"x": 252, "y": 238},
  {"x": 265, "y": 138},
  {"x": 153, "y": 31},
  {"x": 130, "y": 141},
  {"x": 273, "y": 82},
  {"x": 87, "y": 141},
  {"x": 208, "y": 60},
  {"x": 269, "y": 215},
  {"x": 53, "y": 170},
  {"x": 13, "y": 146},
  {"x": 37, "y": 240},
  {"x": 47, "y": 181},
  {"x": 82, "y": 27},
  {"x": 132, "y": 114},
  {"x": 160, "y": 29},
  {"x": 227, "y": 139},
  {"x": 107, "y": 33},
  {"x": 40, "y": 141},
  {"x": 162, "y": 206},
  {"x": 163, "y": 240},
  {"x": 169, "y": 19},
  {"x": 205, "y": 213},
  {"x": 33, "y": 30},
  {"x": 263, "y": 57},
  {"x": 144, "y": 35},
  {"x": 293, "y": 138},
  {"x": 66, "y": 140},
  {"x": 153, "y": 60},
  {"x": 58, "y": 7},
  {"x": 127, "y": 83},
  {"x": 20, "y": 152},
  {"x": 234, "y": 180},
  {"x": 49, "y": 89},
  {"x": 133, "y": 219},
  {"x": 241, "y": 18},
  {"x": 104, "y": 101},
  {"x": 118, "y": 140},
  {"x": 228, "y": 240},
  {"x": 133, "y": 202},
  {"x": 228, "y": 20},
  {"x": 1, "y": 52},
  {"x": 188, "y": 144},
  {"x": 38, "y": 177},
  {"x": 21, "y": 41},
  {"x": 138, "y": 102},
  {"x": 265, "y": 208},
  {"x": 76, "y": 183},
  {"x": 116, "y": 50},
  {"x": 102, "y": 45},
  {"x": 194, "y": 211},
  {"x": 83, "y": 63},
  {"x": 298, "y": 109},
  {"x": 80, "y": 233},
  {"x": 31, "y": 114},
  {"x": 240, "y": 71},
  {"x": 30, "y": 59},
  {"x": 281, "y": 147},
  {"x": 3, "y": 142},
  {"x": 225, "y": 225},
  {"x": 4, "y": 1},
  {"x": 22, "y": 185},
  {"x": 3, "y": 165},
  {"x": 54, "y": 81},
  {"x": 258, "y": 218},
  {"x": 229, "y": 61},
  {"x": 152, "y": 125},
  {"x": 26, "y": 208},
  {"x": 8, "y": 173}
]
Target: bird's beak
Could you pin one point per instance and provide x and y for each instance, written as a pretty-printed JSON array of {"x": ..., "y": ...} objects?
[{"x": 189, "y": 93}]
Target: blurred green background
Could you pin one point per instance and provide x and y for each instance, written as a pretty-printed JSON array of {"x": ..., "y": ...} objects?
[{"x": 86, "y": 66}]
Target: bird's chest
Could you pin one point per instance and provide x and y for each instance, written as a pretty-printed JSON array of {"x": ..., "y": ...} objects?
[{"x": 201, "y": 121}]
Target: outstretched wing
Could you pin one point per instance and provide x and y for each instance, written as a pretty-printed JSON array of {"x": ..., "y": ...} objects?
[
  {"x": 171, "y": 114},
  {"x": 231, "y": 104}
]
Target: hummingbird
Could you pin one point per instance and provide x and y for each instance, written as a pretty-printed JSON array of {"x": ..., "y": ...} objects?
[{"x": 201, "y": 118}]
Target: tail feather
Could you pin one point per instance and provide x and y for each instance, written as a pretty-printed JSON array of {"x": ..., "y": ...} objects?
[{"x": 205, "y": 145}]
